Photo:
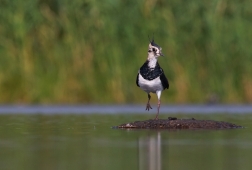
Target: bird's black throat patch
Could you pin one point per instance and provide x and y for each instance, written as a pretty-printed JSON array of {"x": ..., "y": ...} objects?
[{"x": 150, "y": 73}]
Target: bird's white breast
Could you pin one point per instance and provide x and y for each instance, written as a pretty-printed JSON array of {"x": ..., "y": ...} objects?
[{"x": 150, "y": 85}]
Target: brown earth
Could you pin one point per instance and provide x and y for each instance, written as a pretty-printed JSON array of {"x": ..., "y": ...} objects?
[{"x": 174, "y": 123}]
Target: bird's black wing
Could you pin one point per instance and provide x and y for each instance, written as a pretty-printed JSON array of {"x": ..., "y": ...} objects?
[
  {"x": 164, "y": 81},
  {"x": 137, "y": 80}
]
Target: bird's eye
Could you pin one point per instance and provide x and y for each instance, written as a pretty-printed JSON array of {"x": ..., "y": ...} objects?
[{"x": 153, "y": 49}]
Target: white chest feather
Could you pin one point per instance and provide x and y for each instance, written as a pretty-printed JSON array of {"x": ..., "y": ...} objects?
[{"x": 150, "y": 85}]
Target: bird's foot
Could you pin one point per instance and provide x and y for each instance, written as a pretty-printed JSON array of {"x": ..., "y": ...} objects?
[{"x": 148, "y": 106}]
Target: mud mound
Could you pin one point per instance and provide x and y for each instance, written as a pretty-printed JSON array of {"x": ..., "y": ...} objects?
[{"x": 174, "y": 123}]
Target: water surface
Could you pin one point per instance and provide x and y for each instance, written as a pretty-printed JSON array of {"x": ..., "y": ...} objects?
[{"x": 79, "y": 141}]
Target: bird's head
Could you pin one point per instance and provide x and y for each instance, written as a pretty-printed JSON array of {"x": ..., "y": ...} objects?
[{"x": 154, "y": 50}]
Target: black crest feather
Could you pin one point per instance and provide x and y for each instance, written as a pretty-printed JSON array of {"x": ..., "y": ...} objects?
[{"x": 152, "y": 41}]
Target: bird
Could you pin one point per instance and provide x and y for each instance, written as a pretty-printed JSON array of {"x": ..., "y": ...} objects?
[{"x": 151, "y": 77}]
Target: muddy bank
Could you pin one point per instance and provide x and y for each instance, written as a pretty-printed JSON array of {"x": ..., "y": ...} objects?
[{"x": 175, "y": 123}]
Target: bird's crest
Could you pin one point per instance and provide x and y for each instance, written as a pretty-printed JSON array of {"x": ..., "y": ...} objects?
[{"x": 152, "y": 41}]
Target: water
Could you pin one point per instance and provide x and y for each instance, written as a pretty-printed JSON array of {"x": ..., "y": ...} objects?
[
  {"x": 115, "y": 109},
  {"x": 87, "y": 141}
]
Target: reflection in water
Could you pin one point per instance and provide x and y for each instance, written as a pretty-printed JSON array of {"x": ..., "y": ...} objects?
[
  {"x": 150, "y": 152},
  {"x": 70, "y": 142}
]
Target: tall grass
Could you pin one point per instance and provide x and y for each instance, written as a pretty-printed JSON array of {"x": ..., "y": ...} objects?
[{"x": 89, "y": 51}]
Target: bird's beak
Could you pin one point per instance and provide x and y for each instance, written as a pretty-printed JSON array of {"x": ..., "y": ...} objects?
[{"x": 161, "y": 54}]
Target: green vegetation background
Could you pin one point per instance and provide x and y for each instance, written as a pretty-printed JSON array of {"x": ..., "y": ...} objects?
[{"x": 89, "y": 51}]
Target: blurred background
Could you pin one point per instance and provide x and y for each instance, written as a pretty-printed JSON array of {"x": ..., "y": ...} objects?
[
  {"x": 89, "y": 51},
  {"x": 82, "y": 57}
]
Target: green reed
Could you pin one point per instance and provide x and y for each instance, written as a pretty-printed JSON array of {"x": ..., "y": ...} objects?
[{"x": 89, "y": 51}]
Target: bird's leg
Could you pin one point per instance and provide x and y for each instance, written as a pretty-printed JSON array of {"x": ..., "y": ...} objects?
[
  {"x": 156, "y": 118},
  {"x": 148, "y": 106},
  {"x": 158, "y": 95}
]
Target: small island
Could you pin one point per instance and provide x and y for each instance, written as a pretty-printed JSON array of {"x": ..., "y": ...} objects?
[{"x": 175, "y": 123}]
